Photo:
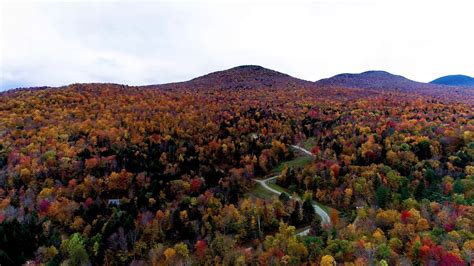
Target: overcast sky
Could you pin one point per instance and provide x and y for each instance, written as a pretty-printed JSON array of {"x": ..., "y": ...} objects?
[{"x": 57, "y": 43}]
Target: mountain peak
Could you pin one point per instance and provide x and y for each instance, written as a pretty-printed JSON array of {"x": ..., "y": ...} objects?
[
  {"x": 373, "y": 79},
  {"x": 250, "y": 67},
  {"x": 455, "y": 80},
  {"x": 377, "y": 72},
  {"x": 247, "y": 77},
  {"x": 245, "y": 71}
]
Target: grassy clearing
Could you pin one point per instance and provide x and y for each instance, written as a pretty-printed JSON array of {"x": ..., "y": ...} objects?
[
  {"x": 295, "y": 163},
  {"x": 260, "y": 192},
  {"x": 309, "y": 143},
  {"x": 276, "y": 187}
]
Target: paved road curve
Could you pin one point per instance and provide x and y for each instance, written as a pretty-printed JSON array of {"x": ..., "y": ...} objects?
[
  {"x": 305, "y": 151},
  {"x": 324, "y": 216}
]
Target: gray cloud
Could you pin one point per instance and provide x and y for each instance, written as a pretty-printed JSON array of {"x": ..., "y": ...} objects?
[{"x": 57, "y": 43}]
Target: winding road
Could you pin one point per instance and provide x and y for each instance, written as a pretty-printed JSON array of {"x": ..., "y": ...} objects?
[
  {"x": 305, "y": 151},
  {"x": 324, "y": 216}
]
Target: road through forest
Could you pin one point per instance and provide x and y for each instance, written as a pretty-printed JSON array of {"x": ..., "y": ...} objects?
[{"x": 324, "y": 216}]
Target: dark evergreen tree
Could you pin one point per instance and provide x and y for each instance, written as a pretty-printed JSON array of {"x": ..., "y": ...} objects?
[
  {"x": 423, "y": 150},
  {"x": 316, "y": 228},
  {"x": 308, "y": 211},
  {"x": 382, "y": 195},
  {"x": 296, "y": 215},
  {"x": 419, "y": 190},
  {"x": 284, "y": 197}
]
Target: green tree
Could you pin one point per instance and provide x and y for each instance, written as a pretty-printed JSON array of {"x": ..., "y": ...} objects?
[
  {"x": 383, "y": 252},
  {"x": 420, "y": 190},
  {"x": 314, "y": 246},
  {"x": 458, "y": 187},
  {"x": 430, "y": 175},
  {"x": 340, "y": 249},
  {"x": 284, "y": 197},
  {"x": 382, "y": 195},
  {"x": 74, "y": 250}
]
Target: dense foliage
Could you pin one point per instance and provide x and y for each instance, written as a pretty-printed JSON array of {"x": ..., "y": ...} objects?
[{"x": 111, "y": 174}]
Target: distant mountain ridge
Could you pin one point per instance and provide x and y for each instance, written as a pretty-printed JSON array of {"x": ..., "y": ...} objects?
[
  {"x": 373, "y": 80},
  {"x": 257, "y": 77},
  {"x": 455, "y": 80}
]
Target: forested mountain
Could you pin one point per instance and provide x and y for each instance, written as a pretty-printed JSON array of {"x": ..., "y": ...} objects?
[
  {"x": 373, "y": 80},
  {"x": 241, "y": 77},
  {"x": 455, "y": 80},
  {"x": 165, "y": 174}
]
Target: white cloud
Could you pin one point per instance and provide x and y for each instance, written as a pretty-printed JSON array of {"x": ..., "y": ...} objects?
[{"x": 56, "y": 43}]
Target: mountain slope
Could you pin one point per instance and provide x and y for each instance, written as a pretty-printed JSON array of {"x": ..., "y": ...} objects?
[
  {"x": 373, "y": 80},
  {"x": 455, "y": 80},
  {"x": 243, "y": 77}
]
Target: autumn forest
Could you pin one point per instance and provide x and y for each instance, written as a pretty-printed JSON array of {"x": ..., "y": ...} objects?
[{"x": 236, "y": 168}]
